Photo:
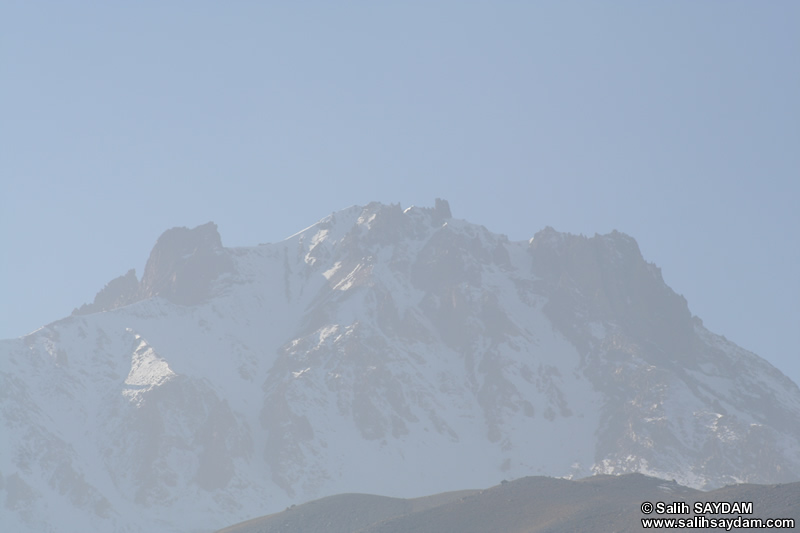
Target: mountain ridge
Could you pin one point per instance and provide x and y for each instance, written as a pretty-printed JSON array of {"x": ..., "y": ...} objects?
[
  {"x": 526, "y": 505},
  {"x": 376, "y": 338}
]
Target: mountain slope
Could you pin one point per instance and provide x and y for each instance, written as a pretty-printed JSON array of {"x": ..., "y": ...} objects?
[
  {"x": 527, "y": 505},
  {"x": 380, "y": 350},
  {"x": 344, "y": 513}
]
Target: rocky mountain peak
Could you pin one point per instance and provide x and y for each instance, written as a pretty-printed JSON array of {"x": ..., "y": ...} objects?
[
  {"x": 183, "y": 264},
  {"x": 379, "y": 350},
  {"x": 605, "y": 279}
]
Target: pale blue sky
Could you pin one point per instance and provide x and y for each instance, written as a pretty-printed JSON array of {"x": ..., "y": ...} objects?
[{"x": 675, "y": 122}]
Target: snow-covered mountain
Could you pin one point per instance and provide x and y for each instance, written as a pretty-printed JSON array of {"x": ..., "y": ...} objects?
[{"x": 381, "y": 350}]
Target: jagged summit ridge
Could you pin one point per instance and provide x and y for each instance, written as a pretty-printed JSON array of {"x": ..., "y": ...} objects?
[
  {"x": 181, "y": 268},
  {"x": 384, "y": 350}
]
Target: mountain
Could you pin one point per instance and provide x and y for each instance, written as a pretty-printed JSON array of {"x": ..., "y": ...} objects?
[
  {"x": 529, "y": 505},
  {"x": 380, "y": 350}
]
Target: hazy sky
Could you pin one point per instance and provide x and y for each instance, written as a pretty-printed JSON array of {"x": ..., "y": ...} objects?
[{"x": 675, "y": 122}]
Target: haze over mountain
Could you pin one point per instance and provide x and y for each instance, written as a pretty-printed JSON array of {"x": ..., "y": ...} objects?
[{"x": 382, "y": 350}]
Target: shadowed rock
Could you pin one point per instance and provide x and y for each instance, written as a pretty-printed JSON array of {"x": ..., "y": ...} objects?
[
  {"x": 119, "y": 292},
  {"x": 184, "y": 263}
]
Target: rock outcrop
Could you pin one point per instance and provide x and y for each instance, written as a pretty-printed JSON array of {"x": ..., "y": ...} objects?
[{"x": 184, "y": 263}]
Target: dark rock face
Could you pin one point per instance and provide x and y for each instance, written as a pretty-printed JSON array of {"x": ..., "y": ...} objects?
[
  {"x": 650, "y": 347},
  {"x": 181, "y": 268},
  {"x": 441, "y": 210},
  {"x": 119, "y": 292},
  {"x": 184, "y": 263},
  {"x": 605, "y": 279}
]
